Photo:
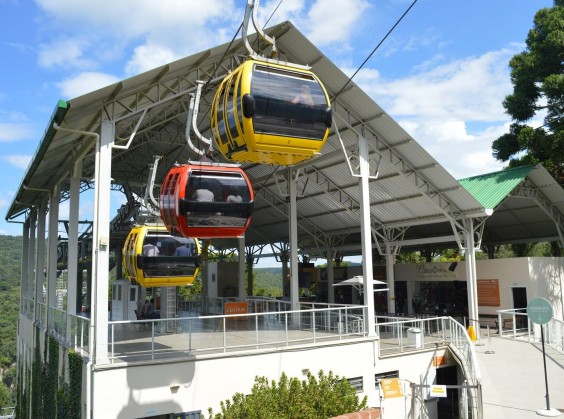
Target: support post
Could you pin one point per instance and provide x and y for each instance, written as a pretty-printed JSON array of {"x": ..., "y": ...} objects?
[
  {"x": 294, "y": 285},
  {"x": 101, "y": 243},
  {"x": 366, "y": 236},
  {"x": 241, "y": 267}
]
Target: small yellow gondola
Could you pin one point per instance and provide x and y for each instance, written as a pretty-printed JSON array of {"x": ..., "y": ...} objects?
[
  {"x": 264, "y": 112},
  {"x": 154, "y": 258}
]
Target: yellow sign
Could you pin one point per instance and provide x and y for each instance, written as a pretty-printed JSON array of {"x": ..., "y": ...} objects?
[
  {"x": 391, "y": 387},
  {"x": 438, "y": 391}
]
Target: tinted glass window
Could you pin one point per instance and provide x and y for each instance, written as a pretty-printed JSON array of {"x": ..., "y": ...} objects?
[{"x": 288, "y": 104}]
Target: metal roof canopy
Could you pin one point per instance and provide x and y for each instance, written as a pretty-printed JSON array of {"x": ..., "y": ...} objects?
[{"x": 413, "y": 199}]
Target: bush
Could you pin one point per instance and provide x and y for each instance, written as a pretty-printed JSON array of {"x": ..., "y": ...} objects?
[{"x": 326, "y": 397}]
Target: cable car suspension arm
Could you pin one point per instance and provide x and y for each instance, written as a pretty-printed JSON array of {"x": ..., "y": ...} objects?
[
  {"x": 251, "y": 11},
  {"x": 153, "y": 205},
  {"x": 193, "y": 109}
]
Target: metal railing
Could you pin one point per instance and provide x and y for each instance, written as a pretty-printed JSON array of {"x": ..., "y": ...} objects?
[
  {"x": 71, "y": 329},
  {"x": 400, "y": 336},
  {"x": 514, "y": 322},
  {"x": 521, "y": 327},
  {"x": 203, "y": 305},
  {"x": 184, "y": 336}
]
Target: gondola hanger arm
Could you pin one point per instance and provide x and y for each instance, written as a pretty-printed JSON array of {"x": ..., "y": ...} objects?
[
  {"x": 191, "y": 122},
  {"x": 251, "y": 12},
  {"x": 150, "y": 205}
]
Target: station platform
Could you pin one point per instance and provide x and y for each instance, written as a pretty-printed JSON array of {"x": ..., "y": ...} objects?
[{"x": 513, "y": 383}]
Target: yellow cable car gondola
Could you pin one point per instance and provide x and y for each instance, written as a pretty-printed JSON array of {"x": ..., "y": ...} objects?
[
  {"x": 267, "y": 112},
  {"x": 154, "y": 258}
]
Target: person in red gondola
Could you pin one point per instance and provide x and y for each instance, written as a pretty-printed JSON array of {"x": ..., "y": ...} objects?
[{"x": 203, "y": 194}]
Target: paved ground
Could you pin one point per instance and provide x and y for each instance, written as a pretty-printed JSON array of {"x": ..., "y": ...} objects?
[{"x": 513, "y": 379}]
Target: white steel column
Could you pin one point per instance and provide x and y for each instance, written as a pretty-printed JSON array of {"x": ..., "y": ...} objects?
[
  {"x": 24, "y": 268},
  {"x": 366, "y": 236},
  {"x": 241, "y": 266},
  {"x": 40, "y": 264},
  {"x": 74, "y": 198},
  {"x": 101, "y": 243},
  {"x": 31, "y": 259},
  {"x": 52, "y": 250},
  {"x": 390, "y": 262},
  {"x": 294, "y": 285},
  {"x": 330, "y": 277},
  {"x": 472, "y": 283}
]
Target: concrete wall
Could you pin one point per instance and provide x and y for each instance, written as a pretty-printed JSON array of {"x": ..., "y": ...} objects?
[{"x": 138, "y": 391}]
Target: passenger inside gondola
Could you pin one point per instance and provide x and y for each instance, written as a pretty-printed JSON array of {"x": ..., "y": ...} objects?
[
  {"x": 150, "y": 248},
  {"x": 304, "y": 96}
]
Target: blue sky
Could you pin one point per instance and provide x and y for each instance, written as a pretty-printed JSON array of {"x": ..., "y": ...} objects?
[{"x": 442, "y": 74}]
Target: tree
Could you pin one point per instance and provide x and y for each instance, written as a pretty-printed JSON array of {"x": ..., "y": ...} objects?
[
  {"x": 291, "y": 398},
  {"x": 537, "y": 75}
]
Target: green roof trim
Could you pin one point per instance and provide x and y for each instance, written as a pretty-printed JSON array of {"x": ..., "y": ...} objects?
[{"x": 492, "y": 188}]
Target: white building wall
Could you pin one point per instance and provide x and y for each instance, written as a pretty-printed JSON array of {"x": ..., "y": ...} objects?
[
  {"x": 510, "y": 273},
  {"x": 139, "y": 391},
  {"x": 541, "y": 276},
  {"x": 548, "y": 276}
]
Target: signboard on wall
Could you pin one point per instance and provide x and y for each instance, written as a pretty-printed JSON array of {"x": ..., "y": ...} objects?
[
  {"x": 488, "y": 292},
  {"x": 236, "y": 308},
  {"x": 391, "y": 387},
  {"x": 439, "y": 270}
]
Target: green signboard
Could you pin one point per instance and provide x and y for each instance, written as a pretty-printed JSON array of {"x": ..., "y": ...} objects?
[{"x": 539, "y": 310}]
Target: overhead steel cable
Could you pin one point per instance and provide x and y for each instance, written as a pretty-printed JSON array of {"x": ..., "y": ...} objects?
[{"x": 374, "y": 50}]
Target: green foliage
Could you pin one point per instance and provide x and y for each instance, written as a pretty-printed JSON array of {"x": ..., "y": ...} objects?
[
  {"x": 10, "y": 270},
  {"x": 51, "y": 380},
  {"x": 37, "y": 382},
  {"x": 75, "y": 386},
  {"x": 324, "y": 397},
  {"x": 410, "y": 257},
  {"x": 267, "y": 282},
  {"x": 6, "y": 398},
  {"x": 537, "y": 75}
]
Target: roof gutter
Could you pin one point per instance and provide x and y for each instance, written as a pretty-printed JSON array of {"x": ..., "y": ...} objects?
[{"x": 56, "y": 118}]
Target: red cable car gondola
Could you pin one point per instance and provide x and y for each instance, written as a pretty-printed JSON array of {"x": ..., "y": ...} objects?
[{"x": 205, "y": 199}]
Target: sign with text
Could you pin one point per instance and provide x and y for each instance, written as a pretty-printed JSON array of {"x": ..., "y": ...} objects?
[
  {"x": 488, "y": 292},
  {"x": 391, "y": 387},
  {"x": 539, "y": 310},
  {"x": 239, "y": 307},
  {"x": 437, "y": 391},
  {"x": 439, "y": 270}
]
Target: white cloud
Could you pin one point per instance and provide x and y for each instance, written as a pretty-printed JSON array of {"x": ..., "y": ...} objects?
[
  {"x": 329, "y": 24},
  {"x": 453, "y": 110},
  {"x": 14, "y": 131},
  {"x": 172, "y": 28},
  {"x": 471, "y": 89},
  {"x": 65, "y": 52},
  {"x": 146, "y": 57},
  {"x": 19, "y": 161},
  {"x": 84, "y": 83}
]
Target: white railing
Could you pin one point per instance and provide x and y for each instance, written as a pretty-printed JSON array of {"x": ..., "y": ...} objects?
[
  {"x": 521, "y": 327},
  {"x": 513, "y": 322},
  {"x": 71, "y": 329},
  {"x": 161, "y": 338},
  {"x": 203, "y": 305},
  {"x": 400, "y": 336}
]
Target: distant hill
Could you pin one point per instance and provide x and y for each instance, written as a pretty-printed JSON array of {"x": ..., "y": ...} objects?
[
  {"x": 267, "y": 282},
  {"x": 10, "y": 271}
]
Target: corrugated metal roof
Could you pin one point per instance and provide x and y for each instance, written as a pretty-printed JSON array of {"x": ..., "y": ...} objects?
[
  {"x": 412, "y": 191},
  {"x": 492, "y": 188}
]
